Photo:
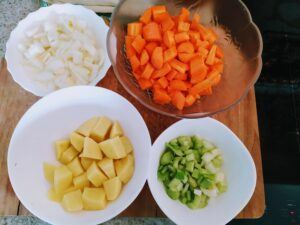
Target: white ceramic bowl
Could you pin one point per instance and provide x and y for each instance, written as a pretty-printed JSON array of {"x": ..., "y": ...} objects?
[
  {"x": 54, "y": 117},
  {"x": 238, "y": 167},
  {"x": 14, "y": 57}
]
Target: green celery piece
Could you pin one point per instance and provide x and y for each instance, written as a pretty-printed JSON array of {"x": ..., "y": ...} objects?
[
  {"x": 197, "y": 142},
  {"x": 174, "y": 142},
  {"x": 222, "y": 187},
  {"x": 195, "y": 173},
  {"x": 180, "y": 167},
  {"x": 176, "y": 162},
  {"x": 200, "y": 179},
  {"x": 166, "y": 158},
  {"x": 198, "y": 202},
  {"x": 175, "y": 185},
  {"x": 180, "y": 175},
  {"x": 162, "y": 176},
  {"x": 183, "y": 161},
  {"x": 217, "y": 162},
  {"x": 174, "y": 149},
  {"x": 189, "y": 195},
  {"x": 190, "y": 157},
  {"x": 171, "y": 169},
  {"x": 183, "y": 200},
  {"x": 197, "y": 156},
  {"x": 190, "y": 166},
  {"x": 173, "y": 194},
  {"x": 192, "y": 182},
  {"x": 185, "y": 188},
  {"x": 185, "y": 141},
  {"x": 206, "y": 183},
  {"x": 188, "y": 151}
]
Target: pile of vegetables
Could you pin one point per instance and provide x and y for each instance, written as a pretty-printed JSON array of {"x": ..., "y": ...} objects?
[
  {"x": 175, "y": 57},
  {"x": 190, "y": 170}
]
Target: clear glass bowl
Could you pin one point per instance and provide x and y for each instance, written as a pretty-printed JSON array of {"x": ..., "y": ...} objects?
[{"x": 238, "y": 36}]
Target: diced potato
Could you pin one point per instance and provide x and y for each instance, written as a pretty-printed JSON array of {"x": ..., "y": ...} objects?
[
  {"x": 94, "y": 199},
  {"x": 70, "y": 189},
  {"x": 113, "y": 148},
  {"x": 53, "y": 196},
  {"x": 112, "y": 188},
  {"x": 101, "y": 129},
  {"x": 60, "y": 147},
  {"x": 127, "y": 144},
  {"x": 107, "y": 166},
  {"x": 77, "y": 141},
  {"x": 86, "y": 162},
  {"x": 95, "y": 175},
  {"x": 86, "y": 128},
  {"x": 125, "y": 168},
  {"x": 81, "y": 181},
  {"x": 75, "y": 167},
  {"x": 62, "y": 179},
  {"x": 49, "y": 172},
  {"x": 116, "y": 130},
  {"x": 91, "y": 149},
  {"x": 68, "y": 155},
  {"x": 72, "y": 201}
]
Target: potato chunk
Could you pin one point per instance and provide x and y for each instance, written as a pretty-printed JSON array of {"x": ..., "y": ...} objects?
[
  {"x": 94, "y": 198},
  {"x": 81, "y": 181},
  {"x": 86, "y": 162},
  {"x": 112, "y": 188},
  {"x": 113, "y": 148},
  {"x": 86, "y": 128},
  {"x": 72, "y": 201},
  {"x": 60, "y": 147},
  {"x": 107, "y": 166},
  {"x": 75, "y": 167},
  {"x": 95, "y": 175},
  {"x": 62, "y": 179},
  {"x": 53, "y": 196},
  {"x": 68, "y": 155},
  {"x": 127, "y": 144},
  {"x": 116, "y": 130},
  {"x": 125, "y": 168},
  {"x": 49, "y": 172},
  {"x": 101, "y": 129},
  {"x": 91, "y": 149},
  {"x": 77, "y": 141}
]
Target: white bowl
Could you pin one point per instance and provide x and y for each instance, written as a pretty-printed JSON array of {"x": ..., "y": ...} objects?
[
  {"x": 14, "y": 57},
  {"x": 54, "y": 117},
  {"x": 238, "y": 167}
]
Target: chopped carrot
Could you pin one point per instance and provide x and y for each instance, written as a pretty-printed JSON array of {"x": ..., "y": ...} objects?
[
  {"x": 171, "y": 75},
  {"x": 183, "y": 26},
  {"x": 211, "y": 36},
  {"x": 189, "y": 100},
  {"x": 178, "y": 100},
  {"x": 195, "y": 65},
  {"x": 185, "y": 47},
  {"x": 219, "y": 67},
  {"x": 200, "y": 75},
  {"x": 163, "y": 82},
  {"x": 150, "y": 47},
  {"x": 159, "y": 18},
  {"x": 185, "y": 57},
  {"x": 151, "y": 32},
  {"x": 134, "y": 29},
  {"x": 181, "y": 76},
  {"x": 216, "y": 80},
  {"x": 160, "y": 96},
  {"x": 178, "y": 85},
  {"x": 146, "y": 17},
  {"x": 166, "y": 68},
  {"x": 145, "y": 84},
  {"x": 129, "y": 49},
  {"x": 181, "y": 37},
  {"x": 147, "y": 71},
  {"x": 134, "y": 62},
  {"x": 168, "y": 38},
  {"x": 138, "y": 44},
  {"x": 195, "y": 21},
  {"x": 219, "y": 52},
  {"x": 211, "y": 55},
  {"x": 202, "y": 52},
  {"x": 157, "y": 57},
  {"x": 194, "y": 36},
  {"x": 207, "y": 91},
  {"x": 203, "y": 31},
  {"x": 197, "y": 88},
  {"x": 144, "y": 57},
  {"x": 158, "y": 9},
  {"x": 179, "y": 66},
  {"x": 184, "y": 14},
  {"x": 170, "y": 54},
  {"x": 167, "y": 24}
]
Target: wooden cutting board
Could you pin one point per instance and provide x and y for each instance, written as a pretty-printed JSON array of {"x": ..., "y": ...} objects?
[{"x": 242, "y": 120}]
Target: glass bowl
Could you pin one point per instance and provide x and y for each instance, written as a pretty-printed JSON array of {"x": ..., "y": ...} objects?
[{"x": 239, "y": 38}]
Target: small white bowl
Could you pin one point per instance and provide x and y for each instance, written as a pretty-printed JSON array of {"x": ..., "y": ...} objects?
[
  {"x": 54, "y": 117},
  {"x": 238, "y": 167},
  {"x": 14, "y": 57}
]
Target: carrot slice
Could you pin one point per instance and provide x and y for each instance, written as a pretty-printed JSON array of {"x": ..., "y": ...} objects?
[
  {"x": 216, "y": 80},
  {"x": 134, "y": 62},
  {"x": 184, "y": 14},
  {"x": 195, "y": 21},
  {"x": 219, "y": 67},
  {"x": 150, "y": 47},
  {"x": 181, "y": 37},
  {"x": 160, "y": 96},
  {"x": 189, "y": 100},
  {"x": 211, "y": 36},
  {"x": 167, "y": 24},
  {"x": 203, "y": 31},
  {"x": 179, "y": 66},
  {"x": 138, "y": 44},
  {"x": 170, "y": 54},
  {"x": 178, "y": 100},
  {"x": 194, "y": 36},
  {"x": 207, "y": 91},
  {"x": 195, "y": 65},
  {"x": 171, "y": 75},
  {"x": 197, "y": 88},
  {"x": 166, "y": 68},
  {"x": 146, "y": 17},
  {"x": 134, "y": 29},
  {"x": 163, "y": 82},
  {"x": 157, "y": 57},
  {"x": 183, "y": 26},
  {"x": 202, "y": 52},
  {"x": 185, "y": 47},
  {"x": 144, "y": 83},
  {"x": 181, "y": 76},
  {"x": 211, "y": 55},
  {"x": 158, "y": 9},
  {"x": 219, "y": 52},
  {"x": 178, "y": 85},
  {"x": 147, "y": 71},
  {"x": 129, "y": 49},
  {"x": 151, "y": 32},
  {"x": 168, "y": 38},
  {"x": 185, "y": 57},
  {"x": 159, "y": 18},
  {"x": 144, "y": 57},
  {"x": 200, "y": 76}
]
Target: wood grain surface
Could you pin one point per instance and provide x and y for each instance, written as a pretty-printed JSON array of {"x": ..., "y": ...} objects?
[{"x": 242, "y": 119}]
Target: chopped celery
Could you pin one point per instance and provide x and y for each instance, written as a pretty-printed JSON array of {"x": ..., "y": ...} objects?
[
  {"x": 176, "y": 162},
  {"x": 197, "y": 142},
  {"x": 173, "y": 194},
  {"x": 190, "y": 157},
  {"x": 176, "y": 150},
  {"x": 166, "y": 158},
  {"x": 190, "y": 166},
  {"x": 192, "y": 182},
  {"x": 185, "y": 188},
  {"x": 175, "y": 185},
  {"x": 180, "y": 175},
  {"x": 218, "y": 161},
  {"x": 185, "y": 141},
  {"x": 198, "y": 202},
  {"x": 222, "y": 187},
  {"x": 206, "y": 183}
]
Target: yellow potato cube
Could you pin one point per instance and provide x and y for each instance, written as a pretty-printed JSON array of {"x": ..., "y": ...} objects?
[
  {"x": 95, "y": 175},
  {"x": 86, "y": 162},
  {"x": 68, "y": 155},
  {"x": 77, "y": 141},
  {"x": 81, "y": 181},
  {"x": 113, "y": 148},
  {"x": 94, "y": 199},
  {"x": 75, "y": 167},
  {"x": 125, "y": 168},
  {"x": 60, "y": 147},
  {"x": 127, "y": 144},
  {"x": 62, "y": 179},
  {"x": 112, "y": 188},
  {"x": 101, "y": 129},
  {"x": 116, "y": 130},
  {"x": 91, "y": 149},
  {"x": 72, "y": 201},
  {"x": 70, "y": 189},
  {"x": 53, "y": 196},
  {"x": 107, "y": 166},
  {"x": 49, "y": 172},
  {"x": 86, "y": 128}
]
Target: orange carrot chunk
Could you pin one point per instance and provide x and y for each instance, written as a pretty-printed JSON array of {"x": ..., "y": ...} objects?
[
  {"x": 178, "y": 100},
  {"x": 134, "y": 29},
  {"x": 159, "y": 18},
  {"x": 181, "y": 76},
  {"x": 194, "y": 36},
  {"x": 189, "y": 100},
  {"x": 151, "y": 32},
  {"x": 168, "y": 38},
  {"x": 183, "y": 26},
  {"x": 179, "y": 66},
  {"x": 146, "y": 17},
  {"x": 147, "y": 71},
  {"x": 216, "y": 80},
  {"x": 129, "y": 49},
  {"x": 161, "y": 72},
  {"x": 167, "y": 24},
  {"x": 219, "y": 67},
  {"x": 178, "y": 85},
  {"x": 134, "y": 62},
  {"x": 138, "y": 44},
  {"x": 197, "y": 88},
  {"x": 219, "y": 52},
  {"x": 171, "y": 75},
  {"x": 185, "y": 57},
  {"x": 163, "y": 82},
  {"x": 157, "y": 57},
  {"x": 185, "y": 47},
  {"x": 207, "y": 91},
  {"x": 144, "y": 57},
  {"x": 195, "y": 21},
  {"x": 184, "y": 14},
  {"x": 150, "y": 47},
  {"x": 144, "y": 83},
  {"x": 181, "y": 37},
  {"x": 160, "y": 96},
  {"x": 211, "y": 55},
  {"x": 158, "y": 9},
  {"x": 170, "y": 54}
]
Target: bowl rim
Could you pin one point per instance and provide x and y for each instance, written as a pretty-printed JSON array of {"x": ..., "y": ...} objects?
[
  {"x": 9, "y": 44},
  {"x": 245, "y": 151},
  {"x": 198, "y": 114}
]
